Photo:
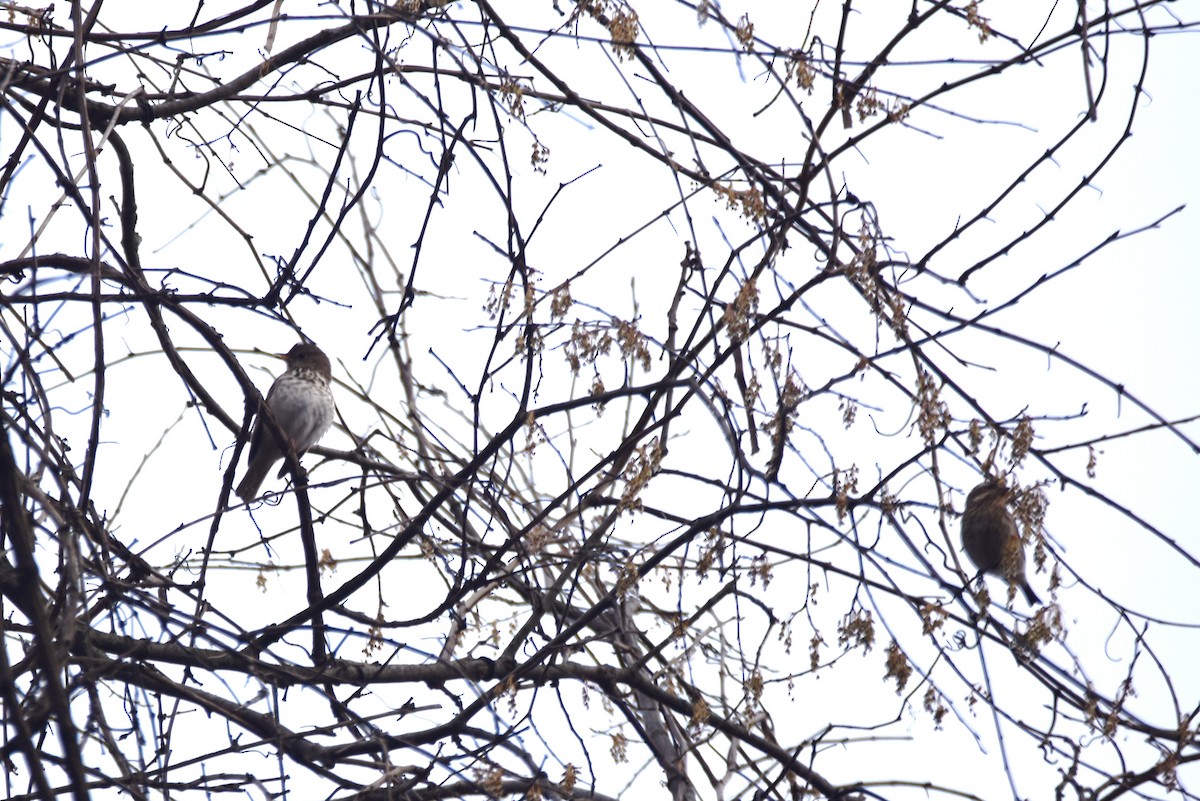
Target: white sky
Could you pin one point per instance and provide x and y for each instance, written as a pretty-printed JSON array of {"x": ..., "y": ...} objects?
[{"x": 1126, "y": 313}]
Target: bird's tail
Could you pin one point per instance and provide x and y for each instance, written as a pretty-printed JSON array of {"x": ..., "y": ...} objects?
[
  {"x": 255, "y": 474},
  {"x": 1030, "y": 595}
]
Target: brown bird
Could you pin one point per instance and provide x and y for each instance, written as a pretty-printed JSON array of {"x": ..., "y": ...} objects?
[
  {"x": 990, "y": 536},
  {"x": 301, "y": 403}
]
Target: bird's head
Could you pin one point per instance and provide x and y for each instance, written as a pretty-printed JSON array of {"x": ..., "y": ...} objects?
[
  {"x": 992, "y": 490},
  {"x": 307, "y": 355}
]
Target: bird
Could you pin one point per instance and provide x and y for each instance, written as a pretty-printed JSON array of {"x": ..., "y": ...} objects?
[
  {"x": 990, "y": 537},
  {"x": 301, "y": 402}
]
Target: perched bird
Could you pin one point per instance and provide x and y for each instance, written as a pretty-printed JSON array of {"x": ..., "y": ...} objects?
[
  {"x": 990, "y": 536},
  {"x": 301, "y": 403}
]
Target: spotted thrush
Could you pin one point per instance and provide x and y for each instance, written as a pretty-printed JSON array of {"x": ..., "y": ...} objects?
[
  {"x": 301, "y": 403},
  {"x": 990, "y": 537}
]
